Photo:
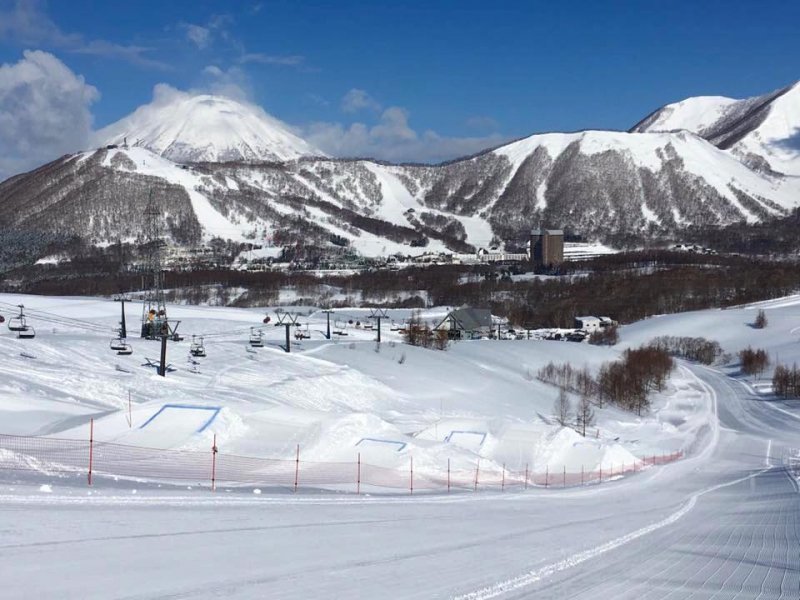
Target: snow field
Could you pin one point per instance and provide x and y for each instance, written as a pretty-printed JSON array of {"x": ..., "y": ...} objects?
[
  {"x": 721, "y": 524},
  {"x": 475, "y": 407}
]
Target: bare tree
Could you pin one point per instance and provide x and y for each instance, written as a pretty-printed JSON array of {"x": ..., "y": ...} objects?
[
  {"x": 585, "y": 415},
  {"x": 753, "y": 362},
  {"x": 761, "y": 320},
  {"x": 562, "y": 408}
]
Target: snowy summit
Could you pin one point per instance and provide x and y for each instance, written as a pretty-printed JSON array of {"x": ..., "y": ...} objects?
[{"x": 186, "y": 127}]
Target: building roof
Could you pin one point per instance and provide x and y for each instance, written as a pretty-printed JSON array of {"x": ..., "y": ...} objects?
[
  {"x": 471, "y": 319},
  {"x": 587, "y": 319},
  {"x": 547, "y": 232}
]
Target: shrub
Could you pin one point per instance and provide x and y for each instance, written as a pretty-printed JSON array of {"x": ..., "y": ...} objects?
[
  {"x": 697, "y": 349},
  {"x": 608, "y": 336},
  {"x": 761, "y": 320}
]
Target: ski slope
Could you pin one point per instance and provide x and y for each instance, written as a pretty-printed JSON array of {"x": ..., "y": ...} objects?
[{"x": 723, "y": 523}]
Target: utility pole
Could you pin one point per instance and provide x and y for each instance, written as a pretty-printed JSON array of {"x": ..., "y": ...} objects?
[
  {"x": 378, "y": 314},
  {"x": 288, "y": 320},
  {"x": 328, "y": 312}
]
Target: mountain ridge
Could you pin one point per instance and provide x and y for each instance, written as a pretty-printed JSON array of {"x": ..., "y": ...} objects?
[
  {"x": 755, "y": 129},
  {"x": 599, "y": 183}
]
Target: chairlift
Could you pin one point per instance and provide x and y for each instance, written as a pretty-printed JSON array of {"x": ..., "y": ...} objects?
[
  {"x": 26, "y": 333},
  {"x": 256, "y": 338},
  {"x": 118, "y": 344},
  {"x": 18, "y": 323},
  {"x": 197, "y": 348},
  {"x": 2, "y": 319},
  {"x": 125, "y": 350}
]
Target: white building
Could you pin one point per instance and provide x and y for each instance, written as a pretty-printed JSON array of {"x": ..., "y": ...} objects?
[{"x": 588, "y": 324}]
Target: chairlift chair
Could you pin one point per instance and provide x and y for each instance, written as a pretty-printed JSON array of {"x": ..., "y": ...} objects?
[
  {"x": 18, "y": 323},
  {"x": 256, "y": 338},
  {"x": 26, "y": 333},
  {"x": 197, "y": 349},
  {"x": 118, "y": 344},
  {"x": 125, "y": 350}
]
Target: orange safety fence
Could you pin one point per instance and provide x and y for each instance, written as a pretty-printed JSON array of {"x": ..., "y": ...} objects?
[{"x": 90, "y": 458}]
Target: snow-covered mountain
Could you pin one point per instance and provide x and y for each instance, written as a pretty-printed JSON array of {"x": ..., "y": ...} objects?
[
  {"x": 763, "y": 131},
  {"x": 597, "y": 183},
  {"x": 602, "y": 184},
  {"x": 186, "y": 127}
]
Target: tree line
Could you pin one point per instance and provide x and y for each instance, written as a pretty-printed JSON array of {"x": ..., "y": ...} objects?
[
  {"x": 627, "y": 383},
  {"x": 786, "y": 381}
]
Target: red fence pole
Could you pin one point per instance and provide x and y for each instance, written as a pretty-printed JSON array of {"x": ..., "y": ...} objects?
[
  {"x": 503, "y": 481},
  {"x": 358, "y": 475},
  {"x": 214, "y": 464},
  {"x": 581, "y": 474},
  {"x": 297, "y": 467},
  {"x": 411, "y": 476},
  {"x": 448, "y": 475},
  {"x": 526, "y": 476},
  {"x": 91, "y": 448},
  {"x": 477, "y": 472},
  {"x": 601, "y": 472},
  {"x": 546, "y": 475},
  {"x": 565, "y": 477}
]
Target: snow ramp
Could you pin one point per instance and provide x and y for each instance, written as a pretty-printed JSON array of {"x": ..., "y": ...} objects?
[{"x": 172, "y": 425}]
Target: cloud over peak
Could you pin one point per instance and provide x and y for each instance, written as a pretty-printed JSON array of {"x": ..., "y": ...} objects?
[{"x": 44, "y": 111}]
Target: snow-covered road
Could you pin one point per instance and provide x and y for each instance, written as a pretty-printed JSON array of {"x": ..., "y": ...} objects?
[{"x": 724, "y": 524}]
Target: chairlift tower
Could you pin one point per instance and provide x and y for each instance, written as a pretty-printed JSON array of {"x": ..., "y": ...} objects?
[
  {"x": 154, "y": 309},
  {"x": 328, "y": 313},
  {"x": 288, "y": 320},
  {"x": 123, "y": 328},
  {"x": 378, "y": 314}
]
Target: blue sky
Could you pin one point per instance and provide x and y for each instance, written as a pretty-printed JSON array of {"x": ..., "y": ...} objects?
[{"x": 474, "y": 73}]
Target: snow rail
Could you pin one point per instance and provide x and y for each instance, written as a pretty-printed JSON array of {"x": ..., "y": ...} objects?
[{"x": 70, "y": 458}]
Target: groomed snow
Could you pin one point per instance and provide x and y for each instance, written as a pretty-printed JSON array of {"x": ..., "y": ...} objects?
[{"x": 721, "y": 523}]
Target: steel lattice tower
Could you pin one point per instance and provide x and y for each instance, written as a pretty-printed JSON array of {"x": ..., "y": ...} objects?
[{"x": 154, "y": 309}]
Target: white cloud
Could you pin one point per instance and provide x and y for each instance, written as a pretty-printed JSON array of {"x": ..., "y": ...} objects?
[
  {"x": 233, "y": 82},
  {"x": 290, "y": 60},
  {"x": 356, "y": 100},
  {"x": 44, "y": 112},
  {"x": 28, "y": 24},
  {"x": 200, "y": 36},
  {"x": 393, "y": 139}
]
